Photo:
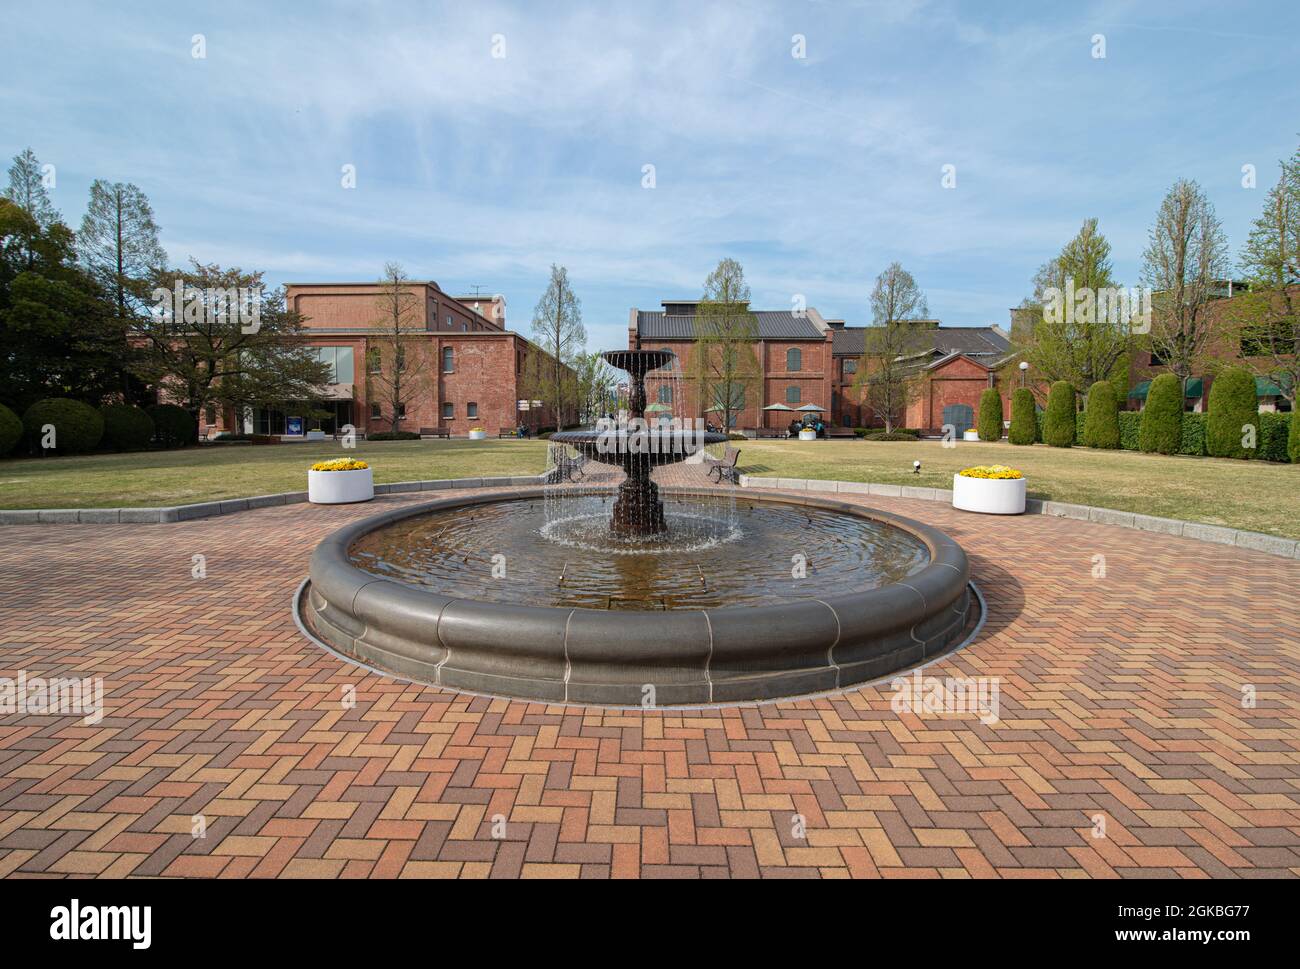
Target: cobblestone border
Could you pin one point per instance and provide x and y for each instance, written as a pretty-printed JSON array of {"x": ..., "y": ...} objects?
[
  {"x": 211, "y": 509},
  {"x": 1287, "y": 548}
]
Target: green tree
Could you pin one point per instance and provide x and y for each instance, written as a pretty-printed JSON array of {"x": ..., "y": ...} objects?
[
  {"x": 1265, "y": 320},
  {"x": 1024, "y": 417},
  {"x": 1185, "y": 259},
  {"x": 890, "y": 374},
  {"x": 1232, "y": 426},
  {"x": 1161, "y": 430},
  {"x": 1059, "y": 419},
  {"x": 724, "y": 366},
  {"x": 1101, "y": 417},
  {"x": 558, "y": 331},
  {"x": 990, "y": 419},
  {"x": 1080, "y": 339},
  {"x": 58, "y": 336},
  {"x": 206, "y": 351}
]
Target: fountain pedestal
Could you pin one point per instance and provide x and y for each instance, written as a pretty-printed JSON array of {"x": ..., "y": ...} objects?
[{"x": 638, "y": 510}]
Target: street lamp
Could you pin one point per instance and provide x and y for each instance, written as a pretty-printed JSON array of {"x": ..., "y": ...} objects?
[{"x": 1024, "y": 368}]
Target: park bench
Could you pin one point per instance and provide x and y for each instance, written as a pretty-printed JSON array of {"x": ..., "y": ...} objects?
[
  {"x": 508, "y": 432},
  {"x": 567, "y": 467},
  {"x": 840, "y": 432},
  {"x": 435, "y": 432},
  {"x": 724, "y": 468}
]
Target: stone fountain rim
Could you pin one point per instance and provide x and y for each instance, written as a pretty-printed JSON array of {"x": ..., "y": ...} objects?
[{"x": 529, "y": 651}]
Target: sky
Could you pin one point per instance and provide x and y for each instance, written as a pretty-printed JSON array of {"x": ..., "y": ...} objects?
[{"x": 490, "y": 140}]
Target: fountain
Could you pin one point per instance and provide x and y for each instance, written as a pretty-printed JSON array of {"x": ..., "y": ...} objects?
[
  {"x": 657, "y": 589},
  {"x": 639, "y": 448}
]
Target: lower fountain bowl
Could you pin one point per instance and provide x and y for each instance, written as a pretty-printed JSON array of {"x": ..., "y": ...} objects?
[{"x": 631, "y": 658}]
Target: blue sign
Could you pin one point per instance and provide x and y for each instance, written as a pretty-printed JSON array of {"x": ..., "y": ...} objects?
[{"x": 294, "y": 427}]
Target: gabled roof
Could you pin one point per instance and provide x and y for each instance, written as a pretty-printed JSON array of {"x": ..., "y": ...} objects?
[
  {"x": 977, "y": 342},
  {"x": 772, "y": 325}
]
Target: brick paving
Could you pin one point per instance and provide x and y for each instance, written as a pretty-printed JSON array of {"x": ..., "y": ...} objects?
[{"x": 1121, "y": 699}]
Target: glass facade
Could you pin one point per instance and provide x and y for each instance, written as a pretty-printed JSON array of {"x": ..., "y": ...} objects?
[{"x": 341, "y": 364}]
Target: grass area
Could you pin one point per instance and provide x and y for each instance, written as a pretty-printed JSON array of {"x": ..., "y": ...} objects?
[
  {"x": 152, "y": 478},
  {"x": 1256, "y": 495}
]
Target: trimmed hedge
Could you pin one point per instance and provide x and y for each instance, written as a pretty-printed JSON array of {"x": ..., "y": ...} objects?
[
  {"x": 1233, "y": 408},
  {"x": 1101, "y": 417},
  {"x": 78, "y": 427},
  {"x": 1293, "y": 438},
  {"x": 1059, "y": 419},
  {"x": 1162, "y": 418},
  {"x": 1274, "y": 437},
  {"x": 127, "y": 427},
  {"x": 889, "y": 436},
  {"x": 1024, "y": 419},
  {"x": 990, "y": 419},
  {"x": 402, "y": 436},
  {"x": 173, "y": 426},
  {"x": 1130, "y": 427},
  {"x": 11, "y": 430}
]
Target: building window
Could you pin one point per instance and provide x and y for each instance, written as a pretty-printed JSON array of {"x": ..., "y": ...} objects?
[
  {"x": 210, "y": 414},
  {"x": 665, "y": 394},
  {"x": 448, "y": 410},
  {"x": 793, "y": 359},
  {"x": 471, "y": 409},
  {"x": 401, "y": 359},
  {"x": 449, "y": 321},
  {"x": 448, "y": 360},
  {"x": 401, "y": 412},
  {"x": 792, "y": 394},
  {"x": 850, "y": 366},
  {"x": 374, "y": 361},
  {"x": 339, "y": 361},
  {"x": 375, "y": 413}
]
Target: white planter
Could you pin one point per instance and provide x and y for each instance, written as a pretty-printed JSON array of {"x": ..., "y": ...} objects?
[
  {"x": 992, "y": 496},
  {"x": 807, "y": 434},
  {"x": 315, "y": 435},
  {"x": 477, "y": 435},
  {"x": 970, "y": 435},
  {"x": 340, "y": 487}
]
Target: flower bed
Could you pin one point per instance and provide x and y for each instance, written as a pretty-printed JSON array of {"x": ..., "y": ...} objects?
[
  {"x": 340, "y": 481},
  {"x": 989, "y": 489}
]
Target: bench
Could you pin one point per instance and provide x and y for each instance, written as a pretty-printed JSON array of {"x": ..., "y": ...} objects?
[
  {"x": 840, "y": 432},
  {"x": 508, "y": 432},
  {"x": 567, "y": 468},
  {"x": 770, "y": 432},
  {"x": 724, "y": 468},
  {"x": 436, "y": 432}
]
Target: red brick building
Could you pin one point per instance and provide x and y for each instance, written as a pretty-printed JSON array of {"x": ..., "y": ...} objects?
[{"x": 466, "y": 366}]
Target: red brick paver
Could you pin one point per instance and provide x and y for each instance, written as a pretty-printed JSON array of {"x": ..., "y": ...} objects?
[{"x": 1121, "y": 704}]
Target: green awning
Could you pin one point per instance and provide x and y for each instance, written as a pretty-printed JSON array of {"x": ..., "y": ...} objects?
[
  {"x": 1140, "y": 391},
  {"x": 1267, "y": 388}
]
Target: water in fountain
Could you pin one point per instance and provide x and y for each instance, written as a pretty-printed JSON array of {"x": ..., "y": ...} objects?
[{"x": 616, "y": 486}]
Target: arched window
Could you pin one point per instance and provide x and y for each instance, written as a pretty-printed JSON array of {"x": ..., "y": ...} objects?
[
  {"x": 665, "y": 393},
  {"x": 793, "y": 359},
  {"x": 448, "y": 360},
  {"x": 792, "y": 394}
]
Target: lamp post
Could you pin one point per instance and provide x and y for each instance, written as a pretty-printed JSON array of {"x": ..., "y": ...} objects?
[{"x": 1024, "y": 368}]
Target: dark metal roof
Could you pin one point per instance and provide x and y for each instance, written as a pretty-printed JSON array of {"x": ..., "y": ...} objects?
[
  {"x": 974, "y": 341},
  {"x": 772, "y": 325}
]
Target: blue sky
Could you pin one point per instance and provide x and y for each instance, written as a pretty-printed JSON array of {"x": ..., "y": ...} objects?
[{"x": 814, "y": 172}]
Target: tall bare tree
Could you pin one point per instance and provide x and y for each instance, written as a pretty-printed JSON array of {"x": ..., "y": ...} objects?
[
  {"x": 1265, "y": 321},
  {"x": 396, "y": 366},
  {"x": 724, "y": 366},
  {"x": 558, "y": 331},
  {"x": 118, "y": 243},
  {"x": 889, "y": 373},
  {"x": 1186, "y": 256}
]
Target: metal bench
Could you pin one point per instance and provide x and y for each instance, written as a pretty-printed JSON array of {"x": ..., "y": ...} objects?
[
  {"x": 770, "y": 432},
  {"x": 840, "y": 432},
  {"x": 435, "y": 432},
  {"x": 724, "y": 468},
  {"x": 567, "y": 467},
  {"x": 508, "y": 432}
]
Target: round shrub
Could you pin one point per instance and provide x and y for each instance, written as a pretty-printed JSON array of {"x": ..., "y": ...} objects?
[
  {"x": 11, "y": 430},
  {"x": 77, "y": 426},
  {"x": 127, "y": 427},
  {"x": 1292, "y": 440},
  {"x": 1024, "y": 420},
  {"x": 990, "y": 420},
  {"x": 173, "y": 426},
  {"x": 393, "y": 436},
  {"x": 1101, "y": 418},
  {"x": 1058, "y": 419},
  {"x": 1162, "y": 418},
  {"x": 888, "y": 436},
  {"x": 1233, "y": 408}
]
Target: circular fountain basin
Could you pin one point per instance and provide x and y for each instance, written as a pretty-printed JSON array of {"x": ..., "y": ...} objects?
[{"x": 881, "y": 594}]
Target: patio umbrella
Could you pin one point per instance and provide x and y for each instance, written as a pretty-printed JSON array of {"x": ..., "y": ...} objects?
[
  {"x": 811, "y": 407},
  {"x": 656, "y": 408},
  {"x": 777, "y": 407}
]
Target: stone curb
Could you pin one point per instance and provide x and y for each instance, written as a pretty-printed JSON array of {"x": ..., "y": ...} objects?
[
  {"x": 1287, "y": 548},
  {"x": 230, "y": 506}
]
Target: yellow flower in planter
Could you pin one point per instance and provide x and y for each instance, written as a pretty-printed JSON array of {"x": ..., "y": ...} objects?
[
  {"x": 340, "y": 464},
  {"x": 997, "y": 472}
]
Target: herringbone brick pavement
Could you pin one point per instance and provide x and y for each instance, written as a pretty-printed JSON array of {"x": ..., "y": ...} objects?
[{"x": 1121, "y": 706}]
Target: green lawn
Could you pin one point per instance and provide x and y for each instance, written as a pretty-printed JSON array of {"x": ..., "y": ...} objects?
[
  {"x": 153, "y": 478},
  {"x": 1256, "y": 495}
]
